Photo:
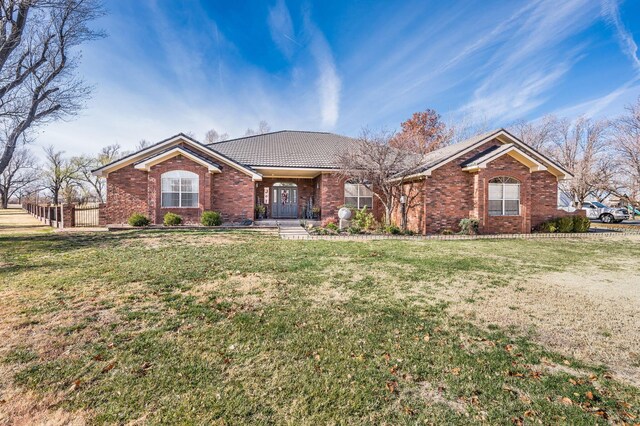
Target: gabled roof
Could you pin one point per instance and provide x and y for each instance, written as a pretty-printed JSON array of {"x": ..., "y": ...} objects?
[
  {"x": 442, "y": 156},
  {"x": 167, "y": 143},
  {"x": 287, "y": 148},
  {"x": 483, "y": 158},
  {"x": 146, "y": 163}
]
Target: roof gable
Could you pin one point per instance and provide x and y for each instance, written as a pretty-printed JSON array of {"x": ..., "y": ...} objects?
[
  {"x": 442, "y": 156},
  {"x": 163, "y": 145},
  {"x": 174, "y": 151},
  {"x": 483, "y": 158}
]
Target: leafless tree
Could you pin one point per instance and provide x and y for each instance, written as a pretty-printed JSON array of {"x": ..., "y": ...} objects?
[
  {"x": 21, "y": 173},
  {"x": 537, "y": 135},
  {"x": 263, "y": 127},
  {"x": 374, "y": 163},
  {"x": 59, "y": 173},
  {"x": 581, "y": 148},
  {"x": 626, "y": 137},
  {"x": 96, "y": 186},
  {"x": 38, "y": 82},
  {"x": 212, "y": 136}
]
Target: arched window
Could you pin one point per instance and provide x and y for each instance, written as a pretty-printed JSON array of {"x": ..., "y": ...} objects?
[
  {"x": 357, "y": 195},
  {"x": 179, "y": 189},
  {"x": 504, "y": 197}
]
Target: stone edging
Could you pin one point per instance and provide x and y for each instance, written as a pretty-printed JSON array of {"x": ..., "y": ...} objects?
[{"x": 458, "y": 237}]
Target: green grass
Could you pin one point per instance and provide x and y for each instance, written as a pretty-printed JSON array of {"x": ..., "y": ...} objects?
[{"x": 235, "y": 328}]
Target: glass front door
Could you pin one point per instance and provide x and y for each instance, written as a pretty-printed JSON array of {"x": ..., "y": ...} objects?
[{"x": 285, "y": 202}]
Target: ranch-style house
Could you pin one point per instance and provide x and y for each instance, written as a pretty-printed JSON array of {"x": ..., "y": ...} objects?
[{"x": 496, "y": 178}]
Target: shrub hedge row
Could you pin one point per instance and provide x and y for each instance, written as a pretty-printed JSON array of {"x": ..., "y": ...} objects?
[{"x": 565, "y": 224}]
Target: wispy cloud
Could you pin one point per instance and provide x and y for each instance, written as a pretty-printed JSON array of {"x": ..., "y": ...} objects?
[
  {"x": 524, "y": 69},
  {"x": 611, "y": 13},
  {"x": 328, "y": 83},
  {"x": 281, "y": 28}
]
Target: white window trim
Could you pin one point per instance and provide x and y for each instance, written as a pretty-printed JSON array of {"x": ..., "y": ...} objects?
[
  {"x": 359, "y": 197},
  {"x": 189, "y": 175},
  {"x": 503, "y": 198}
]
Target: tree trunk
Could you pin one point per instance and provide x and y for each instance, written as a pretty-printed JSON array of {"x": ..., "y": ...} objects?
[
  {"x": 55, "y": 197},
  {"x": 4, "y": 200}
]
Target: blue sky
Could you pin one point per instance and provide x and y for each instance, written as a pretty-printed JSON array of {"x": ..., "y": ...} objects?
[{"x": 171, "y": 66}]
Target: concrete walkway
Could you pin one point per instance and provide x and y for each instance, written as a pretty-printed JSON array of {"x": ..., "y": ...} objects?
[{"x": 292, "y": 231}]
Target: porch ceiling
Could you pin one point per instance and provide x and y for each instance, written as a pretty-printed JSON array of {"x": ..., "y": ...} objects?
[{"x": 285, "y": 172}]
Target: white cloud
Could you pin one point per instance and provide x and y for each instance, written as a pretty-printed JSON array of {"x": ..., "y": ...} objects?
[
  {"x": 611, "y": 13},
  {"x": 523, "y": 70},
  {"x": 281, "y": 28},
  {"x": 328, "y": 83}
]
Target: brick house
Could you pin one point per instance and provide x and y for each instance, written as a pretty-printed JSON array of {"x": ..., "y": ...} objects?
[{"x": 495, "y": 178}]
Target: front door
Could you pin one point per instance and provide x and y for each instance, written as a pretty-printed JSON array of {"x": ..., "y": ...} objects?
[{"x": 284, "y": 203}]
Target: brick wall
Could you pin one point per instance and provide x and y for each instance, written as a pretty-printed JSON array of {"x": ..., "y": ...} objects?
[
  {"x": 135, "y": 191},
  {"x": 190, "y": 215},
  {"x": 126, "y": 194},
  {"x": 509, "y": 167},
  {"x": 233, "y": 194},
  {"x": 331, "y": 194},
  {"x": 451, "y": 194}
]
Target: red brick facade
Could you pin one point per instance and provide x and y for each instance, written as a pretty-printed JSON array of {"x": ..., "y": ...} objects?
[
  {"x": 441, "y": 200},
  {"x": 451, "y": 194},
  {"x": 132, "y": 191}
]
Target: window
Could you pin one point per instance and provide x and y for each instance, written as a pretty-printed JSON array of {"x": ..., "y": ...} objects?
[
  {"x": 357, "y": 195},
  {"x": 504, "y": 197},
  {"x": 179, "y": 189}
]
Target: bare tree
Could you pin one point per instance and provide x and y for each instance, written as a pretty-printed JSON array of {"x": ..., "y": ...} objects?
[
  {"x": 212, "y": 136},
  {"x": 538, "y": 135},
  {"x": 85, "y": 165},
  {"x": 20, "y": 174},
  {"x": 376, "y": 164},
  {"x": 37, "y": 67},
  {"x": 626, "y": 137},
  {"x": 263, "y": 127},
  {"x": 58, "y": 173},
  {"x": 581, "y": 148}
]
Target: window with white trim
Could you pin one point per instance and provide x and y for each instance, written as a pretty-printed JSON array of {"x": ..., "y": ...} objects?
[
  {"x": 504, "y": 197},
  {"x": 179, "y": 189},
  {"x": 357, "y": 195}
]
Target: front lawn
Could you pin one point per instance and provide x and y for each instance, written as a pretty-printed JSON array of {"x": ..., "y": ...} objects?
[{"x": 236, "y": 328}]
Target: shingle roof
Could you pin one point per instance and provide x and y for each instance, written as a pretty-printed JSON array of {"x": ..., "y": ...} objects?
[
  {"x": 439, "y": 155},
  {"x": 287, "y": 148}
]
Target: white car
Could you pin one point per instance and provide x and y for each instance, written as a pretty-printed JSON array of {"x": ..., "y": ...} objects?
[{"x": 596, "y": 210}]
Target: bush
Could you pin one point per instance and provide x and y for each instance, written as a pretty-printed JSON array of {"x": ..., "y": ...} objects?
[
  {"x": 331, "y": 226},
  {"x": 172, "y": 219},
  {"x": 564, "y": 224},
  {"x": 210, "y": 218},
  {"x": 469, "y": 226},
  {"x": 353, "y": 230},
  {"x": 393, "y": 230},
  {"x": 548, "y": 226},
  {"x": 328, "y": 221},
  {"x": 138, "y": 219},
  {"x": 447, "y": 231},
  {"x": 581, "y": 224},
  {"x": 409, "y": 232},
  {"x": 363, "y": 219}
]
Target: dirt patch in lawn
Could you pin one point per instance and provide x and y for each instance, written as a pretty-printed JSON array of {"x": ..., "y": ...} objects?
[
  {"x": 591, "y": 314},
  {"x": 19, "y": 407}
]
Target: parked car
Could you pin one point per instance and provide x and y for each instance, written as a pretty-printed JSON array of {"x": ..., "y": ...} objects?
[{"x": 596, "y": 210}]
